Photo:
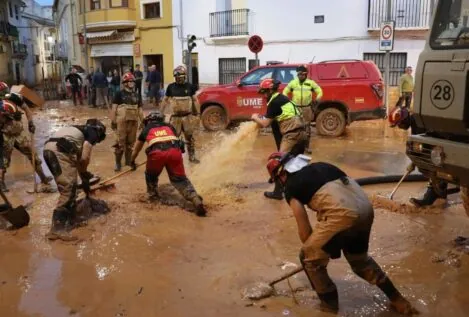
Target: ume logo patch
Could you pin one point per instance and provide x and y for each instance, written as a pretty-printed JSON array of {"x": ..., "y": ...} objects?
[
  {"x": 249, "y": 102},
  {"x": 161, "y": 133}
]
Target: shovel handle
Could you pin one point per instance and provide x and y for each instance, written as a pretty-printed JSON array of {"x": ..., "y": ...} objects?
[
  {"x": 120, "y": 174},
  {"x": 5, "y": 198},
  {"x": 286, "y": 275}
]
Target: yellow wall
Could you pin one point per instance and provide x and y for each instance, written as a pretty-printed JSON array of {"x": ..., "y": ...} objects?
[{"x": 155, "y": 36}]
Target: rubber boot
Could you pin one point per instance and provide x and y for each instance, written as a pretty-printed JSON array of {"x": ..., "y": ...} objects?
[
  {"x": 46, "y": 186},
  {"x": 152, "y": 187},
  {"x": 277, "y": 193},
  {"x": 187, "y": 190},
  {"x": 128, "y": 157},
  {"x": 60, "y": 223},
  {"x": 200, "y": 210},
  {"x": 398, "y": 302},
  {"x": 118, "y": 166},
  {"x": 3, "y": 186},
  {"x": 191, "y": 150},
  {"x": 428, "y": 199}
]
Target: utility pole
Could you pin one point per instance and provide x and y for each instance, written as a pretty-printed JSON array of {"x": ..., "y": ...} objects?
[
  {"x": 84, "y": 34},
  {"x": 387, "y": 60}
]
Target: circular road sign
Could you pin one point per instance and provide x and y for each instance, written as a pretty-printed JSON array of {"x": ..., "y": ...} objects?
[
  {"x": 442, "y": 94},
  {"x": 255, "y": 44},
  {"x": 386, "y": 32}
]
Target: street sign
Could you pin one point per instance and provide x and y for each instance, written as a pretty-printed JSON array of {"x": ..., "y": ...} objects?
[
  {"x": 255, "y": 44},
  {"x": 386, "y": 36}
]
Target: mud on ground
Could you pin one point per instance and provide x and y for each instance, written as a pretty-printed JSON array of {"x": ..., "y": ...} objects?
[{"x": 150, "y": 259}]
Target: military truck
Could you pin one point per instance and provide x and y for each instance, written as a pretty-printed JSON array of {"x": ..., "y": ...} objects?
[{"x": 441, "y": 106}]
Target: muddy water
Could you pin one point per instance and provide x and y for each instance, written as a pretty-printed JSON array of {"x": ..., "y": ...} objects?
[{"x": 153, "y": 260}]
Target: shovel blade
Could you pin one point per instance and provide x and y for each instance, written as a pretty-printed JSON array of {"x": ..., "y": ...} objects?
[{"x": 17, "y": 216}]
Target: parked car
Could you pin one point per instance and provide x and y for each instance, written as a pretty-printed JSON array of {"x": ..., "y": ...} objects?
[{"x": 353, "y": 91}]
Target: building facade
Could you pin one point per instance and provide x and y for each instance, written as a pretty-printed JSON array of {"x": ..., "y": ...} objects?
[
  {"x": 38, "y": 34},
  {"x": 297, "y": 32},
  {"x": 123, "y": 33}
]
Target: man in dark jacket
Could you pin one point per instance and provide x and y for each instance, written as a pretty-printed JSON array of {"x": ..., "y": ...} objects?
[
  {"x": 138, "y": 81},
  {"x": 75, "y": 82},
  {"x": 101, "y": 85},
  {"x": 154, "y": 81}
]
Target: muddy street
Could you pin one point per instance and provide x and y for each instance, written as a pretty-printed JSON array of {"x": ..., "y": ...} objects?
[{"x": 146, "y": 259}]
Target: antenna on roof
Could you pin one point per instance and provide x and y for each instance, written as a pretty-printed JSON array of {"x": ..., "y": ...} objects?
[
  {"x": 289, "y": 52},
  {"x": 314, "y": 57}
]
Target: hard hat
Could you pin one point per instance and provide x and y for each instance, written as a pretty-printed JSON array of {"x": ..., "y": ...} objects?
[
  {"x": 154, "y": 116},
  {"x": 8, "y": 108},
  {"x": 14, "y": 97},
  {"x": 397, "y": 116},
  {"x": 99, "y": 127},
  {"x": 179, "y": 71},
  {"x": 268, "y": 84},
  {"x": 128, "y": 77}
]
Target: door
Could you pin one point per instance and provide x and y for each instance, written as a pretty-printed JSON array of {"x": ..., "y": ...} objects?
[
  {"x": 17, "y": 73},
  {"x": 245, "y": 100}
]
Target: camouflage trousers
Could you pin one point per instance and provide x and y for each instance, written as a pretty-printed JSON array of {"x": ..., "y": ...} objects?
[
  {"x": 126, "y": 135},
  {"x": 15, "y": 137}
]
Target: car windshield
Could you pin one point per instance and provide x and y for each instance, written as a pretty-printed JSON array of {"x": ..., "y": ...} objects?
[
  {"x": 257, "y": 76},
  {"x": 451, "y": 25}
]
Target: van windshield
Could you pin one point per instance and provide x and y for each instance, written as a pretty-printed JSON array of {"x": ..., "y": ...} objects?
[{"x": 451, "y": 26}]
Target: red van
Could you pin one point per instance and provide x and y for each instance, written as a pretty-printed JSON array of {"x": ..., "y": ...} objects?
[{"x": 353, "y": 90}]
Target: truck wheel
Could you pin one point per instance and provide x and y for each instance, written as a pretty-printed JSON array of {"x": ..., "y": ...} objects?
[
  {"x": 214, "y": 118},
  {"x": 465, "y": 199},
  {"x": 330, "y": 122}
]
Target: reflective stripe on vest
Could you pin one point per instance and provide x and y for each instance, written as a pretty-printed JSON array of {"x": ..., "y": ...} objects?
[
  {"x": 302, "y": 93},
  {"x": 288, "y": 110},
  {"x": 160, "y": 134}
]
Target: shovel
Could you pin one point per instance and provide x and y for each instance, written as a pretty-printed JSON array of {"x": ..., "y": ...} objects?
[
  {"x": 33, "y": 161},
  {"x": 410, "y": 169},
  {"x": 262, "y": 290},
  {"x": 17, "y": 216}
]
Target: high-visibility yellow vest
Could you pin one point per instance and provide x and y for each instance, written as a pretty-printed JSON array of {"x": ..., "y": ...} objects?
[
  {"x": 302, "y": 92},
  {"x": 288, "y": 109}
]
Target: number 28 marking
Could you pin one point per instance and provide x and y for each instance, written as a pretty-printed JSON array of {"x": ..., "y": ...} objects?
[{"x": 442, "y": 94}]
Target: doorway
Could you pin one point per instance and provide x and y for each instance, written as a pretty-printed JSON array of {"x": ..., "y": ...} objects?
[
  {"x": 156, "y": 60},
  {"x": 17, "y": 73}
]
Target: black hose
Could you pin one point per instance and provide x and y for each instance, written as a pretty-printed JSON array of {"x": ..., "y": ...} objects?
[{"x": 374, "y": 180}]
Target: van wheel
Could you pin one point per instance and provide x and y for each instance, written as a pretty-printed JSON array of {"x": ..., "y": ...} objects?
[
  {"x": 330, "y": 122},
  {"x": 465, "y": 199},
  {"x": 214, "y": 118}
]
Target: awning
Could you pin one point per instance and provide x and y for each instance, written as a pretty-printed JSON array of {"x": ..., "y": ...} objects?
[
  {"x": 112, "y": 49},
  {"x": 94, "y": 35}
]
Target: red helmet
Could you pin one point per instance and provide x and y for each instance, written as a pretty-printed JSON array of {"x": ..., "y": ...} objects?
[
  {"x": 268, "y": 84},
  {"x": 128, "y": 77},
  {"x": 397, "y": 116},
  {"x": 8, "y": 108},
  {"x": 274, "y": 165},
  {"x": 4, "y": 89}
]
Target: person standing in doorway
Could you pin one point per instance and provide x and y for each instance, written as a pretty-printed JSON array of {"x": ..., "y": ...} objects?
[
  {"x": 406, "y": 88},
  {"x": 138, "y": 81},
  {"x": 90, "y": 88},
  {"x": 75, "y": 82},
  {"x": 101, "y": 85},
  {"x": 154, "y": 85},
  {"x": 115, "y": 83}
]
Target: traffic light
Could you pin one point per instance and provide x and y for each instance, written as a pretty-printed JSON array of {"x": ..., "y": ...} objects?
[{"x": 191, "y": 42}]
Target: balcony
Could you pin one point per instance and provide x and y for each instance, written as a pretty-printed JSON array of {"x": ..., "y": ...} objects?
[
  {"x": 229, "y": 23},
  {"x": 8, "y": 30},
  {"x": 19, "y": 49},
  {"x": 407, "y": 14}
]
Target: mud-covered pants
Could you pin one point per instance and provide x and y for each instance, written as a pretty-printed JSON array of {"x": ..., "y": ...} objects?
[
  {"x": 344, "y": 223},
  {"x": 307, "y": 114},
  {"x": 64, "y": 168},
  {"x": 126, "y": 135},
  {"x": 171, "y": 159},
  {"x": 15, "y": 137},
  {"x": 185, "y": 124}
]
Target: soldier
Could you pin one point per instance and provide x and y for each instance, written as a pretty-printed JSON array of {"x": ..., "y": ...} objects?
[
  {"x": 126, "y": 117},
  {"x": 67, "y": 154},
  {"x": 14, "y": 137},
  {"x": 165, "y": 151},
  {"x": 181, "y": 96}
]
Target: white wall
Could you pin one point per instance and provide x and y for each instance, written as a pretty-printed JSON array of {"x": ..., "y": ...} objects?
[{"x": 289, "y": 33}]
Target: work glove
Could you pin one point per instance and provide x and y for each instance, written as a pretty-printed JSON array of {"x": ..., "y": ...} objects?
[
  {"x": 31, "y": 127},
  {"x": 85, "y": 185},
  {"x": 114, "y": 125},
  {"x": 133, "y": 166}
]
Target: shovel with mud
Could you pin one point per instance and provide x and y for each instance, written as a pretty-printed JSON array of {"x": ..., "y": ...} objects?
[{"x": 17, "y": 216}]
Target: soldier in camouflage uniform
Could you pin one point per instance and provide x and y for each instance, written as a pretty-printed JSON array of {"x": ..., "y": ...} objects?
[
  {"x": 15, "y": 137},
  {"x": 185, "y": 106},
  {"x": 126, "y": 117}
]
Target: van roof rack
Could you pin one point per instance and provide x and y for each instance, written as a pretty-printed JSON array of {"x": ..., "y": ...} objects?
[{"x": 339, "y": 60}]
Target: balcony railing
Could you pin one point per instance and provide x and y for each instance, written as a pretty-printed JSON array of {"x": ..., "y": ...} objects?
[
  {"x": 19, "y": 49},
  {"x": 229, "y": 23},
  {"x": 408, "y": 14}
]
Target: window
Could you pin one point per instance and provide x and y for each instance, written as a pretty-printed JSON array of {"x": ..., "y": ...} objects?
[
  {"x": 37, "y": 59},
  {"x": 152, "y": 10},
  {"x": 257, "y": 76},
  {"x": 318, "y": 19},
  {"x": 451, "y": 26},
  {"x": 285, "y": 75},
  {"x": 252, "y": 63},
  {"x": 16, "y": 12},
  {"x": 398, "y": 64},
  {"x": 95, "y": 4},
  {"x": 230, "y": 69},
  {"x": 118, "y": 3},
  {"x": 10, "y": 8}
]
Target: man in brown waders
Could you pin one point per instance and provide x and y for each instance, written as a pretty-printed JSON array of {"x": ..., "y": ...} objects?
[
  {"x": 344, "y": 221},
  {"x": 287, "y": 125}
]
